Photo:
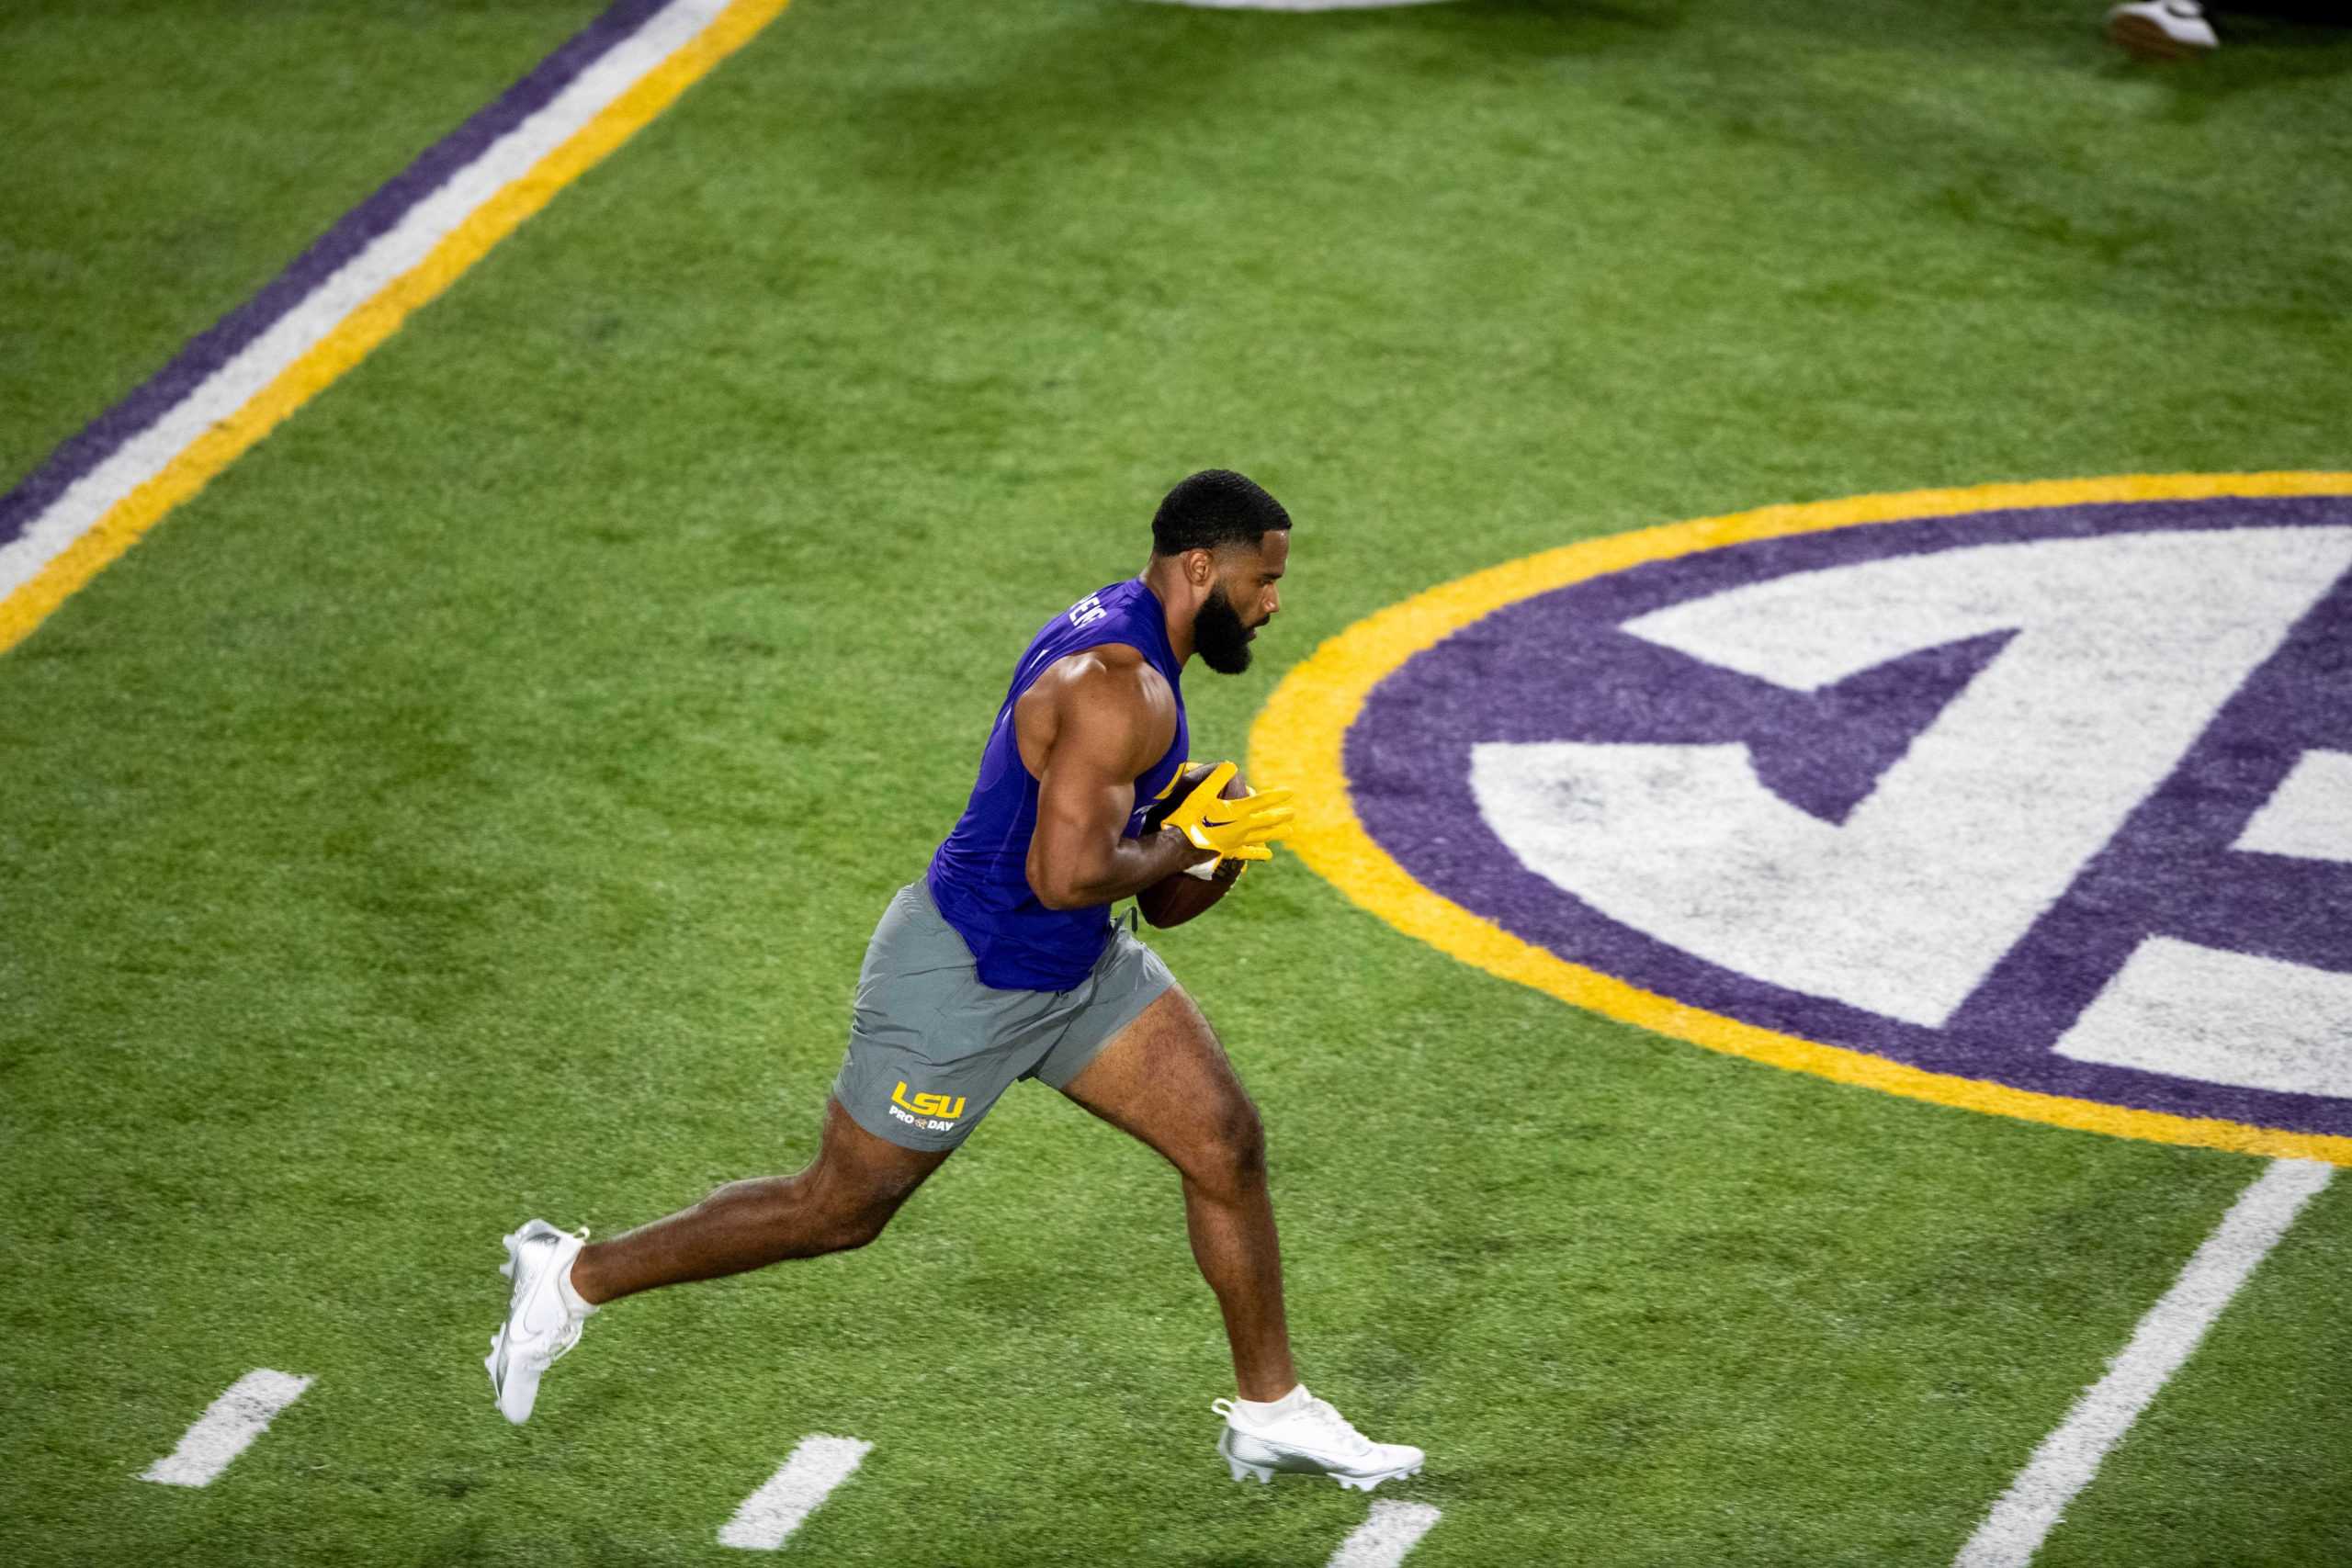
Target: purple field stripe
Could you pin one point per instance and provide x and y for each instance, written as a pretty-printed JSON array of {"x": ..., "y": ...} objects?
[{"x": 206, "y": 352}]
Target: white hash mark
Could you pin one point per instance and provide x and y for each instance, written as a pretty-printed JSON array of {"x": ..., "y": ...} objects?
[
  {"x": 227, "y": 1429},
  {"x": 1382, "y": 1540},
  {"x": 2070, "y": 1457},
  {"x": 796, "y": 1491}
]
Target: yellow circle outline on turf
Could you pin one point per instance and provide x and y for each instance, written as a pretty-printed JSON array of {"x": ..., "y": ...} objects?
[{"x": 1300, "y": 737}]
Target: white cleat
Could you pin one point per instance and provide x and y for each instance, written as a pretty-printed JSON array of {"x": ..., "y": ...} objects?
[
  {"x": 2162, "y": 29},
  {"x": 1310, "y": 1439},
  {"x": 541, "y": 1323}
]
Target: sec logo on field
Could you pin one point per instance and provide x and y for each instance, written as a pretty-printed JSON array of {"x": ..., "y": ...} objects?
[{"x": 2035, "y": 799}]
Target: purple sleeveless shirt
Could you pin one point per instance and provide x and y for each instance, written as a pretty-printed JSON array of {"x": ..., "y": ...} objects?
[{"x": 979, "y": 877}]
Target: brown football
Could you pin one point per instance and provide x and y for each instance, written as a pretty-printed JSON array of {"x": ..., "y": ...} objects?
[{"x": 1180, "y": 896}]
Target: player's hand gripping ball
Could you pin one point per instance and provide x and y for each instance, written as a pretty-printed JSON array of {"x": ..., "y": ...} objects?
[
  {"x": 1180, "y": 895},
  {"x": 1238, "y": 826}
]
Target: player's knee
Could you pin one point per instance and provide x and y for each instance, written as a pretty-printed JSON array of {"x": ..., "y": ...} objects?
[
  {"x": 852, "y": 1226},
  {"x": 849, "y": 1233},
  {"x": 1234, "y": 1154},
  {"x": 857, "y": 1209}
]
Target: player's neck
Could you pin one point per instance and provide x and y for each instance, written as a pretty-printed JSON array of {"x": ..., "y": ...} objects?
[{"x": 1166, "y": 580}]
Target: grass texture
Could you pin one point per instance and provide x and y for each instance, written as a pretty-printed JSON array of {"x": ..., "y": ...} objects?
[{"x": 475, "y": 802}]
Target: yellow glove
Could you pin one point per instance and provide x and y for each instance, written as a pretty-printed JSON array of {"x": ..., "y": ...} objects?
[{"x": 1238, "y": 829}]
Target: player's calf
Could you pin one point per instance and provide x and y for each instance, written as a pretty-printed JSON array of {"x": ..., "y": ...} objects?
[{"x": 741, "y": 1226}]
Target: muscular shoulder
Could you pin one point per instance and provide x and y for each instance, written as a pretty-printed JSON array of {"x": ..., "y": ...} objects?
[
  {"x": 1111, "y": 671},
  {"x": 1109, "y": 699}
]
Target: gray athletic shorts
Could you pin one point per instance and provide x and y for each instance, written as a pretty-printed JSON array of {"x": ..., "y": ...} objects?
[{"x": 931, "y": 1048}]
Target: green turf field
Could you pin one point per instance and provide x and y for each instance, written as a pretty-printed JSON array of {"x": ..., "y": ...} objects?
[{"x": 474, "y": 804}]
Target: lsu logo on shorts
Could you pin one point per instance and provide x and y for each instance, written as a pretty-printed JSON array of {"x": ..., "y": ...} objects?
[
  {"x": 2033, "y": 798},
  {"x": 932, "y": 1113}
]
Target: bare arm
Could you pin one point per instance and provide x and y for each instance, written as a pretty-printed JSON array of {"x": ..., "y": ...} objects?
[{"x": 1088, "y": 729}]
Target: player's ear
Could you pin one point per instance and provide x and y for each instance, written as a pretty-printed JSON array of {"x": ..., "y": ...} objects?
[{"x": 1200, "y": 568}]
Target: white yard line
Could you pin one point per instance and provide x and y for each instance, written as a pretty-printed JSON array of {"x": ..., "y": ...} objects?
[
  {"x": 2070, "y": 1457},
  {"x": 1382, "y": 1540},
  {"x": 227, "y": 1429},
  {"x": 794, "y": 1492}
]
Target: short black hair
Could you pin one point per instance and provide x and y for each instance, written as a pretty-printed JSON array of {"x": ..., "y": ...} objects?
[{"x": 1216, "y": 506}]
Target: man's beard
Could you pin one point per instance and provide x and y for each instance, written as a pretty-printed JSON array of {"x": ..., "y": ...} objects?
[{"x": 1218, "y": 635}]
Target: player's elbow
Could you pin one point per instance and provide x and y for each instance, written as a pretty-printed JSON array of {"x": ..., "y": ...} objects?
[
  {"x": 1054, "y": 890},
  {"x": 1055, "y": 893}
]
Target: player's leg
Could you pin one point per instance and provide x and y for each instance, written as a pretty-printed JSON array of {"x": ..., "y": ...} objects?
[
  {"x": 1162, "y": 1077},
  {"x": 897, "y": 1111},
  {"x": 1165, "y": 1079},
  {"x": 842, "y": 1201},
  {"x": 916, "y": 998}
]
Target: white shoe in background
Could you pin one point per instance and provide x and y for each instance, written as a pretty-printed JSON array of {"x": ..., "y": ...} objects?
[{"x": 2162, "y": 29}]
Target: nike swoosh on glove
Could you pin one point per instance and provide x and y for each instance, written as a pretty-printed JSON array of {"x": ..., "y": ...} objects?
[{"x": 1238, "y": 829}]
